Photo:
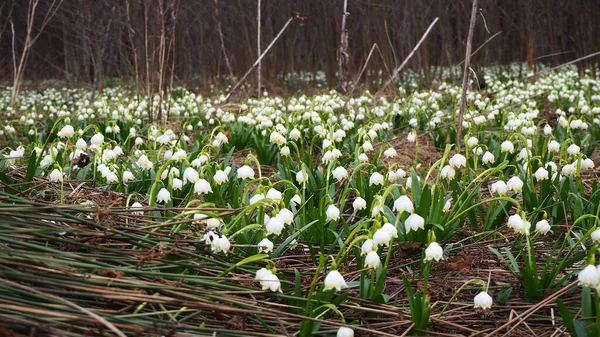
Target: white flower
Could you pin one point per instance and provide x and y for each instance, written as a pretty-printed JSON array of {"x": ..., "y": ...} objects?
[
  {"x": 515, "y": 184},
  {"x": 483, "y": 300},
  {"x": 55, "y": 175},
  {"x": 568, "y": 170},
  {"x": 488, "y": 157},
  {"x": 286, "y": 216},
  {"x": 213, "y": 223},
  {"x": 221, "y": 138},
  {"x": 136, "y": 205},
  {"x": 274, "y": 195},
  {"x": 144, "y": 163},
  {"x": 507, "y": 146},
  {"x": 221, "y": 244},
  {"x": 403, "y": 204},
  {"x": 177, "y": 184},
  {"x": 111, "y": 177},
  {"x": 367, "y": 247},
  {"x": 261, "y": 274},
  {"x": 202, "y": 187},
  {"x": 391, "y": 229},
  {"x": 587, "y": 164},
  {"x": 596, "y": 235},
  {"x": 295, "y": 134},
  {"x": 553, "y": 146},
  {"x": 412, "y": 136},
  {"x": 589, "y": 276},
  {"x": 448, "y": 172},
  {"x": 400, "y": 173},
  {"x": 285, "y": 151},
  {"x": 414, "y": 222},
  {"x": 277, "y": 138},
  {"x": 372, "y": 260},
  {"x": 382, "y": 237},
  {"x": 220, "y": 177},
  {"x": 97, "y": 139},
  {"x": 390, "y": 153},
  {"x": 500, "y": 188},
  {"x": 434, "y": 252},
  {"x": 345, "y": 332},
  {"x": 66, "y": 132},
  {"x": 274, "y": 226},
  {"x": 542, "y": 226},
  {"x": 301, "y": 176},
  {"x": 457, "y": 161},
  {"x": 191, "y": 175},
  {"x": 376, "y": 179},
  {"x": 163, "y": 195},
  {"x": 447, "y": 206},
  {"x": 472, "y": 141},
  {"x": 333, "y": 213},
  {"x": 81, "y": 144},
  {"x": 339, "y": 173},
  {"x": 271, "y": 282},
  {"x": 335, "y": 280},
  {"x": 524, "y": 154},
  {"x": 265, "y": 246},
  {"x": 359, "y": 203},
  {"x": 573, "y": 149},
  {"x": 256, "y": 198},
  {"x": 296, "y": 200},
  {"x": 179, "y": 155},
  {"x": 547, "y": 130},
  {"x": 541, "y": 174},
  {"x": 367, "y": 146},
  {"x": 363, "y": 158},
  {"x": 521, "y": 227}
]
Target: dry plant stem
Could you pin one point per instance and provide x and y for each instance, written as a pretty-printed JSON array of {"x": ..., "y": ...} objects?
[
  {"x": 343, "y": 52},
  {"x": 463, "y": 93},
  {"x": 259, "y": 70},
  {"x": 397, "y": 71},
  {"x": 222, "y": 39},
  {"x": 259, "y": 59},
  {"x": 482, "y": 45},
  {"x": 71, "y": 304}
]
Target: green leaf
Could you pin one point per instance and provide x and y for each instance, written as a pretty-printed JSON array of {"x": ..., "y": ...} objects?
[
  {"x": 291, "y": 238},
  {"x": 31, "y": 167},
  {"x": 250, "y": 259},
  {"x": 567, "y": 315}
]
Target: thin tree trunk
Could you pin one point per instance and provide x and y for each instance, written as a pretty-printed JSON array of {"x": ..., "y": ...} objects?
[{"x": 343, "y": 54}]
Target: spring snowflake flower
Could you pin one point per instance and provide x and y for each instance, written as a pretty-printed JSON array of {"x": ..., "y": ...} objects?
[
  {"x": 412, "y": 136},
  {"x": 488, "y": 158},
  {"x": 277, "y": 138},
  {"x": 547, "y": 130},
  {"x": 339, "y": 173},
  {"x": 359, "y": 204},
  {"x": 190, "y": 175},
  {"x": 296, "y": 200},
  {"x": 220, "y": 177},
  {"x": 403, "y": 204},
  {"x": 66, "y": 132},
  {"x": 541, "y": 174},
  {"x": 483, "y": 300},
  {"x": 335, "y": 280},
  {"x": 367, "y": 247},
  {"x": 447, "y": 206},
  {"x": 333, "y": 213},
  {"x": 542, "y": 226},
  {"x": 391, "y": 229},
  {"x": 573, "y": 149},
  {"x": 301, "y": 176},
  {"x": 265, "y": 246},
  {"x": 472, "y": 141},
  {"x": 589, "y": 276},
  {"x": 457, "y": 161},
  {"x": 414, "y": 222},
  {"x": 367, "y": 146},
  {"x": 553, "y": 146},
  {"x": 434, "y": 252},
  {"x": 111, "y": 177},
  {"x": 382, "y": 237},
  {"x": 524, "y": 154},
  {"x": 213, "y": 223},
  {"x": 202, "y": 187},
  {"x": 256, "y": 198},
  {"x": 376, "y": 179},
  {"x": 163, "y": 195},
  {"x": 97, "y": 139},
  {"x": 295, "y": 134},
  {"x": 515, "y": 184},
  {"x": 596, "y": 235},
  {"x": 345, "y": 332},
  {"x": 144, "y": 163},
  {"x": 448, "y": 172},
  {"x": 568, "y": 170},
  {"x": 372, "y": 260},
  {"x": 55, "y": 175},
  {"x": 400, "y": 174},
  {"x": 268, "y": 280},
  {"x": 390, "y": 153},
  {"x": 136, "y": 208},
  {"x": 507, "y": 146},
  {"x": 363, "y": 158},
  {"x": 587, "y": 164},
  {"x": 500, "y": 188},
  {"x": 274, "y": 195},
  {"x": 274, "y": 226},
  {"x": 221, "y": 244},
  {"x": 286, "y": 216},
  {"x": 177, "y": 184},
  {"x": 221, "y": 138},
  {"x": 179, "y": 155},
  {"x": 81, "y": 144}
]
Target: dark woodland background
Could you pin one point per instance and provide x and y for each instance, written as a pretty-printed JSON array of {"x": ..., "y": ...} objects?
[{"x": 89, "y": 41}]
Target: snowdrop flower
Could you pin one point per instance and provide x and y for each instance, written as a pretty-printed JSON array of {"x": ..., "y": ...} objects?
[
  {"x": 136, "y": 206},
  {"x": 568, "y": 170},
  {"x": 111, "y": 177},
  {"x": 414, "y": 222},
  {"x": 589, "y": 276},
  {"x": 274, "y": 226},
  {"x": 372, "y": 260},
  {"x": 507, "y": 146},
  {"x": 359, "y": 204},
  {"x": 221, "y": 138},
  {"x": 515, "y": 184},
  {"x": 412, "y": 136},
  {"x": 144, "y": 163},
  {"x": 81, "y": 144},
  {"x": 447, "y": 206},
  {"x": 277, "y": 138},
  {"x": 400, "y": 173},
  {"x": 434, "y": 252},
  {"x": 221, "y": 244},
  {"x": 256, "y": 198},
  {"x": 301, "y": 176},
  {"x": 213, "y": 223},
  {"x": 55, "y": 175},
  {"x": 587, "y": 164},
  {"x": 376, "y": 179},
  {"x": 345, "y": 332},
  {"x": 335, "y": 280},
  {"x": 472, "y": 141},
  {"x": 296, "y": 200},
  {"x": 367, "y": 146},
  {"x": 488, "y": 158},
  {"x": 542, "y": 226},
  {"x": 295, "y": 134},
  {"x": 448, "y": 172},
  {"x": 367, "y": 247},
  {"x": 66, "y": 132},
  {"x": 391, "y": 229},
  {"x": 333, "y": 213},
  {"x": 573, "y": 149},
  {"x": 363, "y": 158},
  {"x": 286, "y": 216},
  {"x": 547, "y": 130},
  {"x": 522, "y": 227},
  {"x": 500, "y": 188},
  {"x": 541, "y": 174},
  {"x": 457, "y": 161},
  {"x": 191, "y": 175},
  {"x": 177, "y": 184},
  {"x": 97, "y": 139},
  {"x": 163, "y": 195},
  {"x": 220, "y": 177},
  {"x": 390, "y": 153},
  {"x": 524, "y": 154},
  {"x": 265, "y": 246},
  {"x": 202, "y": 187},
  {"x": 553, "y": 146},
  {"x": 382, "y": 237},
  {"x": 274, "y": 195},
  {"x": 483, "y": 300},
  {"x": 261, "y": 274},
  {"x": 339, "y": 173},
  {"x": 596, "y": 235},
  {"x": 285, "y": 151},
  {"x": 179, "y": 155},
  {"x": 403, "y": 204}
]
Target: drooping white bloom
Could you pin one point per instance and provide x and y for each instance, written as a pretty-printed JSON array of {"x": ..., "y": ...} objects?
[
  {"x": 403, "y": 204},
  {"x": 66, "y": 132},
  {"x": 553, "y": 146},
  {"x": 286, "y": 216},
  {"x": 144, "y": 163},
  {"x": 382, "y": 237},
  {"x": 177, "y": 184},
  {"x": 296, "y": 200},
  {"x": 265, "y": 246},
  {"x": 367, "y": 146},
  {"x": 587, "y": 164},
  {"x": 457, "y": 161},
  {"x": 391, "y": 229},
  {"x": 589, "y": 276},
  {"x": 213, "y": 223},
  {"x": 333, "y": 213},
  {"x": 411, "y": 137},
  {"x": 274, "y": 195},
  {"x": 335, "y": 280},
  {"x": 500, "y": 188},
  {"x": 541, "y": 174},
  {"x": 573, "y": 149},
  {"x": 345, "y": 332},
  {"x": 515, "y": 184},
  {"x": 274, "y": 226},
  {"x": 488, "y": 158},
  {"x": 372, "y": 260},
  {"x": 55, "y": 175},
  {"x": 447, "y": 206},
  {"x": 97, "y": 139},
  {"x": 190, "y": 175},
  {"x": 339, "y": 173},
  {"x": 285, "y": 151},
  {"x": 472, "y": 141},
  {"x": 179, "y": 155},
  {"x": 363, "y": 158},
  {"x": 542, "y": 226},
  {"x": 414, "y": 222},
  {"x": 202, "y": 186},
  {"x": 163, "y": 195},
  {"x": 547, "y": 130},
  {"x": 221, "y": 138},
  {"x": 483, "y": 300},
  {"x": 448, "y": 172},
  {"x": 277, "y": 138},
  {"x": 596, "y": 235},
  {"x": 376, "y": 179},
  {"x": 568, "y": 170},
  {"x": 268, "y": 280},
  {"x": 359, "y": 203},
  {"x": 524, "y": 154},
  {"x": 434, "y": 252},
  {"x": 295, "y": 134},
  {"x": 81, "y": 144},
  {"x": 390, "y": 153},
  {"x": 400, "y": 173},
  {"x": 507, "y": 146},
  {"x": 221, "y": 244},
  {"x": 220, "y": 177},
  {"x": 367, "y": 247},
  {"x": 137, "y": 207},
  {"x": 301, "y": 176}
]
